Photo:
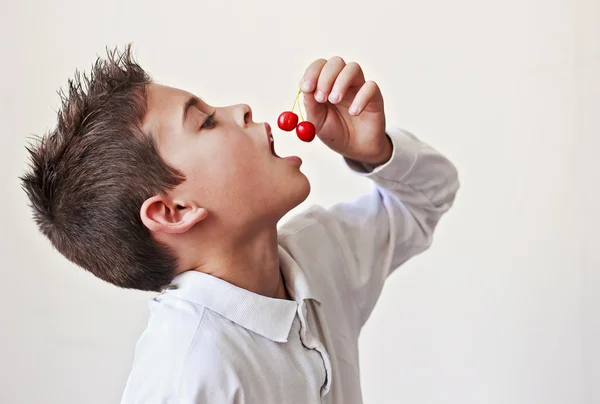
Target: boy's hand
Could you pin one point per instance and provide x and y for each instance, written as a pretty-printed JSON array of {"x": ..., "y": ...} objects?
[{"x": 332, "y": 90}]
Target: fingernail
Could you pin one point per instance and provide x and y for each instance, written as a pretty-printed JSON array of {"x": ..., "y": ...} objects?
[
  {"x": 334, "y": 97},
  {"x": 305, "y": 85},
  {"x": 320, "y": 96},
  {"x": 353, "y": 110}
]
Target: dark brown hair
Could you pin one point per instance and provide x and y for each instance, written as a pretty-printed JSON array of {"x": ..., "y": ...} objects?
[{"x": 90, "y": 175}]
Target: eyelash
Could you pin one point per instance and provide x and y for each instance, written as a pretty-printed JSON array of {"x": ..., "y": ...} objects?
[{"x": 210, "y": 121}]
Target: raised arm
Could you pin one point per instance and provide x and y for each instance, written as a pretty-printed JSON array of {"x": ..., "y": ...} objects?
[
  {"x": 414, "y": 184},
  {"x": 383, "y": 229}
]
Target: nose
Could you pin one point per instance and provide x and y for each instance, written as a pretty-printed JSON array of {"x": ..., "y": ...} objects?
[{"x": 243, "y": 114}]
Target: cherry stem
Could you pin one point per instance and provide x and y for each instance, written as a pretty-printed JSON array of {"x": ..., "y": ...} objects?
[
  {"x": 300, "y": 109},
  {"x": 296, "y": 100}
]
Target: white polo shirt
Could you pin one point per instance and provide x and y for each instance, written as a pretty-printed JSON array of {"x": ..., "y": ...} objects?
[{"x": 208, "y": 341}]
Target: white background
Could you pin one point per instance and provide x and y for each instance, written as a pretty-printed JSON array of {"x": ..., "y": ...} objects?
[{"x": 504, "y": 308}]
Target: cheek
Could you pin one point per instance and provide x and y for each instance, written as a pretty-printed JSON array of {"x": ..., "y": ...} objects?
[
  {"x": 237, "y": 169},
  {"x": 240, "y": 160},
  {"x": 229, "y": 169}
]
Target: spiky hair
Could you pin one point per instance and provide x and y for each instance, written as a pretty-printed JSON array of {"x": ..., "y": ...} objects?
[{"x": 89, "y": 176}]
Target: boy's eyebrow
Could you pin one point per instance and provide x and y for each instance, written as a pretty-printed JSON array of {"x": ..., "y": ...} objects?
[{"x": 193, "y": 101}]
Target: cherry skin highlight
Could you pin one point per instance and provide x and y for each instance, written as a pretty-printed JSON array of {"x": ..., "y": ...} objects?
[
  {"x": 306, "y": 131},
  {"x": 287, "y": 121}
]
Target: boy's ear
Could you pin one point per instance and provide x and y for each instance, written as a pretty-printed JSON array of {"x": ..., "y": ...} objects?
[{"x": 162, "y": 215}]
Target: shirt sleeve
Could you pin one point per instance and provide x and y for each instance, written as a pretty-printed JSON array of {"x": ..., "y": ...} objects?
[{"x": 380, "y": 230}]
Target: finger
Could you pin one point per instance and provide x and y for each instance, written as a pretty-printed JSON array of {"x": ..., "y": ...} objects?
[
  {"x": 315, "y": 112},
  {"x": 368, "y": 93},
  {"x": 311, "y": 76},
  {"x": 330, "y": 72},
  {"x": 351, "y": 76}
]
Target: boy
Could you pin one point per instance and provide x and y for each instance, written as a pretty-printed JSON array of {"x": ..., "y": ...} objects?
[{"x": 151, "y": 188}]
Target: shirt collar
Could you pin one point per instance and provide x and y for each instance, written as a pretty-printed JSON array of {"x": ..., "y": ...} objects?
[{"x": 271, "y": 318}]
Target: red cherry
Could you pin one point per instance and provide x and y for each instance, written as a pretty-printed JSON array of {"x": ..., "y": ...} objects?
[
  {"x": 306, "y": 131},
  {"x": 287, "y": 121}
]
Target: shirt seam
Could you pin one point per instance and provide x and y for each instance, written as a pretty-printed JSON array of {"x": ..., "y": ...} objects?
[
  {"x": 284, "y": 233},
  {"x": 187, "y": 354}
]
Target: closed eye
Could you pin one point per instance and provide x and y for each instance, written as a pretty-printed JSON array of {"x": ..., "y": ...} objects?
[{"x": 210, "y": 121}]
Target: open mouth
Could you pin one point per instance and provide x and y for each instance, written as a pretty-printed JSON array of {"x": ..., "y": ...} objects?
[
  {"x": 271, "y": 140},
  {"x": 295, "y": 159}
]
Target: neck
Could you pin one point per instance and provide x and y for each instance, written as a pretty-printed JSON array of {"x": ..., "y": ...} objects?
[{"x": 251, "y": 263}]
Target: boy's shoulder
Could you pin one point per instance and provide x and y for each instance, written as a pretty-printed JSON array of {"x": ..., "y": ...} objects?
[
  {"x": 180, "y": 342},
  {"x": 314, "y": 225},
  {"x": 304, "y": 220},
  {"x": 177, "y": 327},
  {"x": 311, "y": 241},
  {"x": 312, "y": 233}
]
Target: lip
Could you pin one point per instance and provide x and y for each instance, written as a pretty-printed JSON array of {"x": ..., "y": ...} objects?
[{"x": 294, "y": 159}]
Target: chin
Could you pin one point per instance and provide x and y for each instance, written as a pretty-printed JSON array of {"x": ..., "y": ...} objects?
[
  {"x": 295, "y": 193},
  {"x": 304, "y": 191}
]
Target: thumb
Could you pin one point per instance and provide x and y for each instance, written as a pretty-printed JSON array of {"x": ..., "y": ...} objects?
[{"x": 315, "y": 111}]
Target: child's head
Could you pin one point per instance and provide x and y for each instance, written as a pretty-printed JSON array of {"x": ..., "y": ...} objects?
[{"x": 136, "y": 173}]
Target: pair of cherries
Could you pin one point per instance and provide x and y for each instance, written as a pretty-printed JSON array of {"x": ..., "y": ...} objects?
[{"x": 288, "y": 121}]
